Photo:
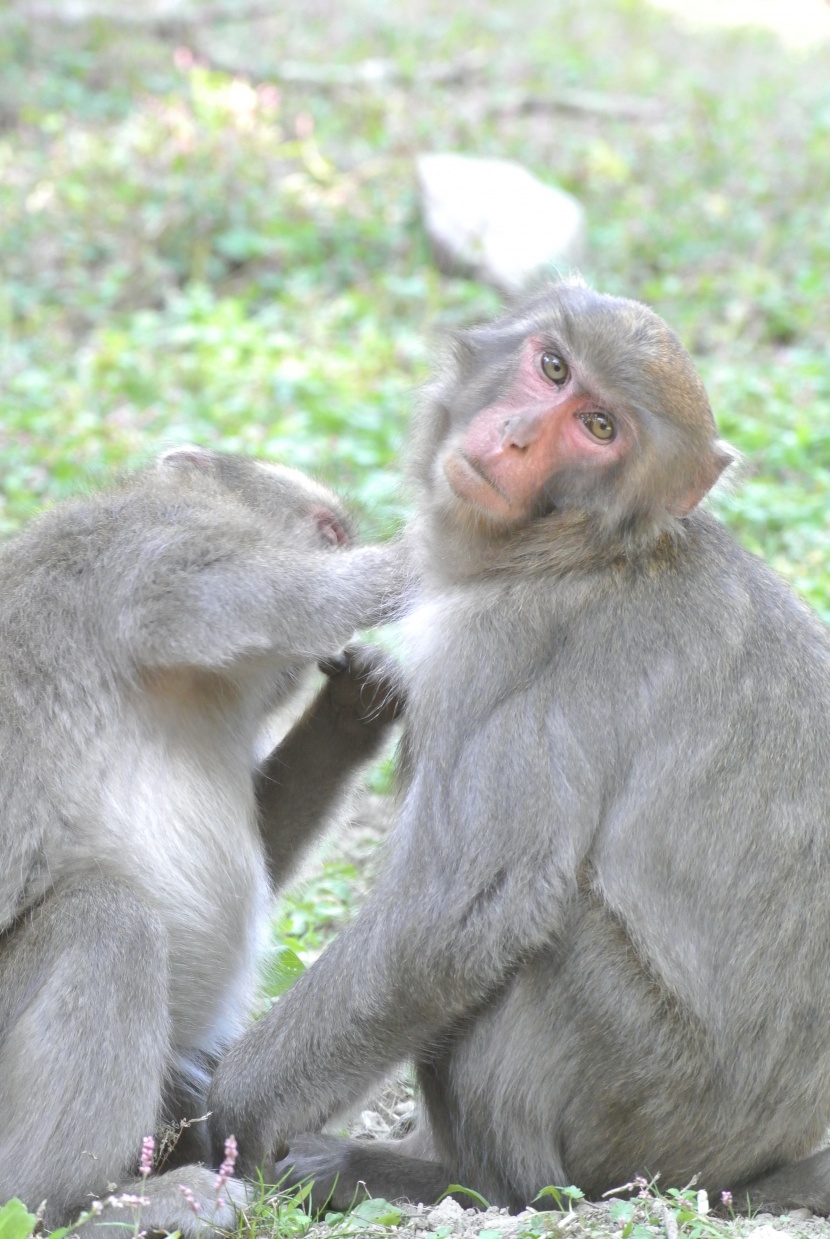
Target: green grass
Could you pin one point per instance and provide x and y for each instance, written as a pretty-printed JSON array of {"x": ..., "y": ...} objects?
[{"x": 189, "y": 254}]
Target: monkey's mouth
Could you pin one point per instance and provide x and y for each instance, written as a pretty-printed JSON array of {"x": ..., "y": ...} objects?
[
  {"x": 481, "y": 475},
  {"x": 472, "y": 485}
]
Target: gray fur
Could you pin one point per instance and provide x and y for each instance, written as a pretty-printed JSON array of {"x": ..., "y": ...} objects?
[
  {"x": 145, "y": 633},
  {"x": 603, "y": 930}
]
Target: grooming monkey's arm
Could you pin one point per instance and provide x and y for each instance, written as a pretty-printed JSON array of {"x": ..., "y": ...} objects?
[{"x": 300, "y": 782}]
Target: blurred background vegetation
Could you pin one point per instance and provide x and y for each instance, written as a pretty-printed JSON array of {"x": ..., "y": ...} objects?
[{"x": 209, "y": 228}]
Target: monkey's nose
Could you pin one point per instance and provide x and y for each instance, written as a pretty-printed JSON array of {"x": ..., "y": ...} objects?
[{"x": 519, "y": 431}]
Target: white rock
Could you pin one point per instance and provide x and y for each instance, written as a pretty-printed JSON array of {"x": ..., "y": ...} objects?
[
  {"x": 769, "y": 1232},
  {"x": 492, "y": 219},
  {"x": 371, "y": 1121},
  {"x": 445, "y": 1214}
]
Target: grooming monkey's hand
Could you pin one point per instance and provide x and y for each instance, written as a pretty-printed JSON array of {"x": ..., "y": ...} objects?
[
  {"x": 365, "y": 686},
  {"x": 321, "y": 1162}
]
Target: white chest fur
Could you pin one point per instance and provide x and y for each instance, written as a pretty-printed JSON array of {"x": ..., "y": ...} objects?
[{"x": 175, "y": 816}]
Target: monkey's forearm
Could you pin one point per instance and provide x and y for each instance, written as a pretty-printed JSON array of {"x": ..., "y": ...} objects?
[
  {"x": 260, "y": 603},
  {"x": 301, "y": 782},
  {"x": 276, "y": 1080},
  {"x": 387, "y": 989}
]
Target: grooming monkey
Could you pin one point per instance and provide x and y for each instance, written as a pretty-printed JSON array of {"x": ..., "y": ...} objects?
[
  {"x": 603, "y": 930},
  {"x": 145, "y": 634}
]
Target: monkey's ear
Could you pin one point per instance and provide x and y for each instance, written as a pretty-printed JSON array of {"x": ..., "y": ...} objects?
[
  {"x": 186, "y": 458},
  {"x": 720, "y": 458}
]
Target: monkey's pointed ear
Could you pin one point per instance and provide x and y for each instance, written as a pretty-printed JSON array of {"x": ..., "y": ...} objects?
[
  {"x": 719, "y": 458},
  {"x": 185, "y": 458}
]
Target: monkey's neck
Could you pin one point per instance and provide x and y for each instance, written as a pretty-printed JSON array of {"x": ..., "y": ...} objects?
[{"x": 560, "y": 544}]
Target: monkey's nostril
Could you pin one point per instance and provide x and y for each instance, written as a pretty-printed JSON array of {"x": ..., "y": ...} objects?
[{"x": 517, "y": 433}]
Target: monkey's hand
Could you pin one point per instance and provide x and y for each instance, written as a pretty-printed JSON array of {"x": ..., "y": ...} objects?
[
  {"x": 342, "y": 1172},
  {"x": 365, "y": 687},
  {"x": 321, "y": 1162}
]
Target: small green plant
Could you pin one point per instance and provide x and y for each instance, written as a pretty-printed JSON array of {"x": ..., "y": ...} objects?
[
  {"x": 16, "y": 1222},
  {"x": 563, "y": 1197},
  {"x": 373, "y": 1211},
  {"x": 678, "y": 1212},
  {"x": 456, "y": 1189}
]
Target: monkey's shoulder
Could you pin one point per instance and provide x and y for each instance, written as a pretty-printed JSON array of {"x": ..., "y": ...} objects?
[
  {"x": 109, "y": 533},
  {"x": 709, "y": 577}
]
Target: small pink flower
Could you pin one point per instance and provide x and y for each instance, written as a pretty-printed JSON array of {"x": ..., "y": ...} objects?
[
  {"x": 226, "y": 1169},
  {"x": 268, "y": 97},
  {"x": 148, "y": 1148},
  {"x": 189, "y": 1197},
  {"x": 127, "y": 1200},
  {"x": 726, "y": 1197},
  {"x": 183, "y": 59},
  {"x": 304, "y": 126}
]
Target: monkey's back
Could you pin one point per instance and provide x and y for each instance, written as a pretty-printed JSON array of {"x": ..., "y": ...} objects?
[
  {"x": 108, "y": 768},
  {"x": 671, "y": 858}
]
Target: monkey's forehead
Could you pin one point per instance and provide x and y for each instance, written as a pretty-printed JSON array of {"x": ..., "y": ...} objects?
[
  {"x": 574, "y": 314},
  {"x": 617, "y": 342}
]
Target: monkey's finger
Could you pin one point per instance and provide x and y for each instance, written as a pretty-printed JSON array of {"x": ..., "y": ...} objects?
[{"x": 335, "y": 664}]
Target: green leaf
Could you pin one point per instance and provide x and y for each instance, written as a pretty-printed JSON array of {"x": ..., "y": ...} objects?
[
  {"x": 622, "y": 1210},
  {"x": 16, "y": 1222},
  {"x": 378, "y": 1212},
  {"x": 282, "y": 970},
  {"x": 466, "y": 1191},
  {"x": 556, "y": 1194}
]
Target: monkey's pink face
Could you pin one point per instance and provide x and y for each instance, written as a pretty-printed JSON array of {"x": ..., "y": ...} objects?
[{"x": 502, "y": 460}]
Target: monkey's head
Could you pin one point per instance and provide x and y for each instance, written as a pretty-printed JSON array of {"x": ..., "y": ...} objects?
[
  {"x": 573, "y": 402},
  {"x": 305, "y": 511}
]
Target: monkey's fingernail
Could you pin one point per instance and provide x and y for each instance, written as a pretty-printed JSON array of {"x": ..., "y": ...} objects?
[{"x": 337, "y": 664}]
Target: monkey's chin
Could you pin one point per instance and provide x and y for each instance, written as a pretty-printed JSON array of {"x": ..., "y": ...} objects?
[{"x": 477, "y": 491}]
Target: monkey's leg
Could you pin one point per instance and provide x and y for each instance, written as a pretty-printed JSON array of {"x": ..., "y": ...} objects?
[
  {"x": 83, "y": 1055},
  {"x": 301, "y": 781},
  {"x": 802, "y": 1185},
  {"x": 83, "y": 1008},
  {"x": 344, "y": 1171}
]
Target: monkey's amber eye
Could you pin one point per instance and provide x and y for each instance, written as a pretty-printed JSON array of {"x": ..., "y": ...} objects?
[
  {"x": 599, "y": 425},
  {"x": 554, "y": 368}
]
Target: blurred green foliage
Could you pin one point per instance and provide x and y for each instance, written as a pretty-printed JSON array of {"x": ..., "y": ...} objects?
[{"x": 196, "y": 253}]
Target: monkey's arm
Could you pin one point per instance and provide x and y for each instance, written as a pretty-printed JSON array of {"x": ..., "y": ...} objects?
[
  {"x": 484, "y": 861},
  {"x": 299, "y": 783},
  {"x": 211, "y": 602}
]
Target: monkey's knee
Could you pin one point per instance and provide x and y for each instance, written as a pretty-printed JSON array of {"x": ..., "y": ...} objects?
[{"x": 86, "y": 1040}]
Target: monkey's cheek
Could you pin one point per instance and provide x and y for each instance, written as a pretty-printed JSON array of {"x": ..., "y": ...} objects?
[{"x": 471, "y": 488}]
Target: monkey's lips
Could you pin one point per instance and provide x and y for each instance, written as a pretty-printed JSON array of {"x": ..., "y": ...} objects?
[{"x": 469, "y": 482}]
